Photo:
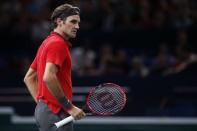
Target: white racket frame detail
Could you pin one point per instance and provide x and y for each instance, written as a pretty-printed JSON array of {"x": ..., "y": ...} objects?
[{"x": 64, "y": 121}]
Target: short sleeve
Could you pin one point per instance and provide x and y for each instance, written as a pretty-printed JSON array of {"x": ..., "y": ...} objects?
[
  {"x": 34, "y": 64},
  {"x": 57, "y": 53}
]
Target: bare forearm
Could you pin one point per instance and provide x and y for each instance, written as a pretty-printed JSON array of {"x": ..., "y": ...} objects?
[
  {"x": 55, "y": 88},
  {"x": 31, "y": 81},
  {"x": 52, "y": 82},
  {"x": 33, "y": 88}
]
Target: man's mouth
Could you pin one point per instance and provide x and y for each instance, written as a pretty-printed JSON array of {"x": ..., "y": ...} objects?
[{"x": 74, "y": 31}]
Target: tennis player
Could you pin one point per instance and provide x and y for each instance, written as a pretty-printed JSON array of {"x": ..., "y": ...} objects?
[{"x": 49, "y": 76}]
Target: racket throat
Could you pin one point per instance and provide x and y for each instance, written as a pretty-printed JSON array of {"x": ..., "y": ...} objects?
[{"x": 89, "y": 114}]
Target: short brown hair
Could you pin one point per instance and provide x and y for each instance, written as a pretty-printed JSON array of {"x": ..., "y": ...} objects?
[{"x": 63, "y": 11}]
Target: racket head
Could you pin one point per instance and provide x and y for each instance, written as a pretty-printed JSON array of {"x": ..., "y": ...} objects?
[{"x": 106, "y": 99}]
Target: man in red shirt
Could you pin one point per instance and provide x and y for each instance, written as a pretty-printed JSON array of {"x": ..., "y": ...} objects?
[{"x": 49, "y": 76}]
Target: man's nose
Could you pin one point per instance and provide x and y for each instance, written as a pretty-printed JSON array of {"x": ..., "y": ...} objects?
[{"x": 77, "y": 26}]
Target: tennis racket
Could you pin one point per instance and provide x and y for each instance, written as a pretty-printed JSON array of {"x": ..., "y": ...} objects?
[{"x": 105, "y": 99}]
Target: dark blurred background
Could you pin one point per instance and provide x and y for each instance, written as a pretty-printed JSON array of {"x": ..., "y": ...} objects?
[{"x": 146, "y": 46}]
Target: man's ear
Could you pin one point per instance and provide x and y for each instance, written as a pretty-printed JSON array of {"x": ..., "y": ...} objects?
[{"x": 59, "y": 20}]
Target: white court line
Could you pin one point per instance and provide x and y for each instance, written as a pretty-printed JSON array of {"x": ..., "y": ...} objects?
[
  {"x": 121, "y": 120},
  {"x": 109, "y": 120}
]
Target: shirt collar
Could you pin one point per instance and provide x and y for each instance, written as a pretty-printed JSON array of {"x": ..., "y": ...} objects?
[{"x": 57, "y": 34}]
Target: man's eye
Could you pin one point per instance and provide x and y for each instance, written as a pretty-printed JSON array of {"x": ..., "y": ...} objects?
[{"x": 73, "y": 22}]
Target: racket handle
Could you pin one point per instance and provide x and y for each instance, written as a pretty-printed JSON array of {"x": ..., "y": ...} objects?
[
  {"x": 89, "y": 114},
  {"x": 67, "y": 120},
  {"x": 64, "y": 121}
]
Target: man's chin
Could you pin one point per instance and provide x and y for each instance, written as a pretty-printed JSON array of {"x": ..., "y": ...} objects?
[{"x": 72, "y": 36}]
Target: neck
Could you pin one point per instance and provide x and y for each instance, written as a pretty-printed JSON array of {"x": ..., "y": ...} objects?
[{"x": 61, "y": 33}]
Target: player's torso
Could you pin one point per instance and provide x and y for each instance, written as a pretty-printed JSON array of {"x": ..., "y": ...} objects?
[{"x": 64, "y": 73}]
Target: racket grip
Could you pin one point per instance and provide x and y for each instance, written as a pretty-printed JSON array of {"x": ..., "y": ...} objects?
[{"x": 64, "y": 121}]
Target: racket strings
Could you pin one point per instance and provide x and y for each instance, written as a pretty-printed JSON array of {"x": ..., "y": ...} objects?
[
  {"x": 108, "y": 105},
  {"x": 107, "y": 100}
]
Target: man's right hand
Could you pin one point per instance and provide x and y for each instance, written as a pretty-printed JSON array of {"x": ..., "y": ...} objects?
[{"x": 76, "y": 112}]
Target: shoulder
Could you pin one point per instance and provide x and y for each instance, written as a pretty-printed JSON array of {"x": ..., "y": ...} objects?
[{"x": 55, "y": 42}]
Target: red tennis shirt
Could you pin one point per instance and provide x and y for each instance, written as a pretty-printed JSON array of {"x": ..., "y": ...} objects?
[{"x": 54, "y": 49}]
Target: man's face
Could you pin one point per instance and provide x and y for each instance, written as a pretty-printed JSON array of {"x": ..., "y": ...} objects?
[{"x": 70, "y": 26}]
